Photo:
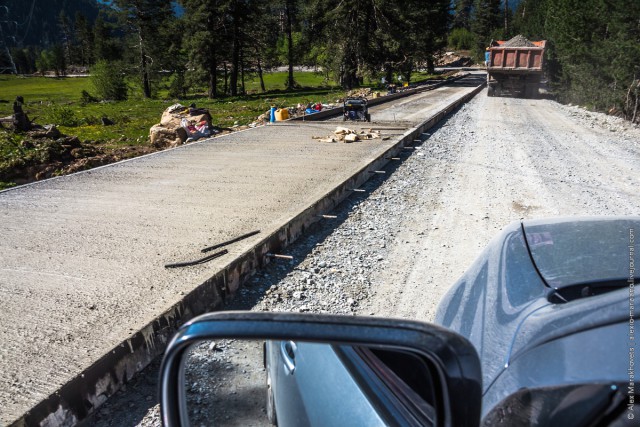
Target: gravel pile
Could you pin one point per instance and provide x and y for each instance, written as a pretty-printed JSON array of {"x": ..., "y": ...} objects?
[
  {"x": 518, "y": 41},
  {"x": 593, "y": 119}
]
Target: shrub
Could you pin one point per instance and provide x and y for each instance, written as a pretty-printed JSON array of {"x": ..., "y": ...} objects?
[
  {"x": 87, "y": 98},
  {"x": 461, "y": 39},
  {"x": 108, "y": 79},
  {"x": 178, "y": 86},
  {"x": 61, "y": 115}
]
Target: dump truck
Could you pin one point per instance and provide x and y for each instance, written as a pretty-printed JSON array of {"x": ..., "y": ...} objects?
[{"x": 514, "y": 67}]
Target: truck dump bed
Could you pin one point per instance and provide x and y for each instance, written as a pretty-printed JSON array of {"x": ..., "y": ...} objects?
[
  {"x": 517, "y": 59},
  {"x": 515, "y": 67}
]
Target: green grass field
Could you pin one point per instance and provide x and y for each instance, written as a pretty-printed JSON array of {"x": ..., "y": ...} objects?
[{"x": 58, "y": 100}]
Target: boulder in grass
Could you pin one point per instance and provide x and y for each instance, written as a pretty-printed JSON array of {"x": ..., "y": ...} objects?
[
  {"x": 162, "y": 137},
  {"x": 170, "y": 132}
]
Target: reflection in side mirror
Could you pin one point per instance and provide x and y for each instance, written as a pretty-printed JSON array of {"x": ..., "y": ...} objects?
[
  {"x": 260, "y": 369},
  {"x": 225, "y": 383},
  {"x": 288, "y": 383}
]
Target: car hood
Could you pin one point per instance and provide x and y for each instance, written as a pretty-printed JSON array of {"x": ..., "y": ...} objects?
[
  {"x": 506, "y": 303},
  {"x": 578, "y": 251}
]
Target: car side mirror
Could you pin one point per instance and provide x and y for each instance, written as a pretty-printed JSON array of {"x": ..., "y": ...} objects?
[{"x": 327, "y": 370}]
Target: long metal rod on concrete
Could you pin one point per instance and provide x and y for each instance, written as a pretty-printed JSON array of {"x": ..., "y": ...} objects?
[
  {"x": 228, "y": 242},
  {"x": 197, "y": 261}
]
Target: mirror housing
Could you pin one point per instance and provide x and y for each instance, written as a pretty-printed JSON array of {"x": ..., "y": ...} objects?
[{"x": 453, "y": 358}]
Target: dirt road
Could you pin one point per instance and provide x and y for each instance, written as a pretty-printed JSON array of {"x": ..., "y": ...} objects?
[
  {"x": 395, "y": 250},
  {"x": 496, "y": 161}
]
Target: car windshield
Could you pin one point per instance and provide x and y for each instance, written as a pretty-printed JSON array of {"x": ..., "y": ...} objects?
[{"x": 583, "y": 252}]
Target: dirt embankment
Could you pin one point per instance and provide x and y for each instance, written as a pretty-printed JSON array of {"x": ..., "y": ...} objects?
[{"x": 46, "y": 153}]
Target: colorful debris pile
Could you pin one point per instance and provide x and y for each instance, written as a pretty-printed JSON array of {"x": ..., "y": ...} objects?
[
  {"x": 291, "y": 112},
  {"x": 180, "y": 124}
]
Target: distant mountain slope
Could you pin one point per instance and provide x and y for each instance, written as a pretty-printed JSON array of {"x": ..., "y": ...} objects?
[{"x": 36, "y": 21}]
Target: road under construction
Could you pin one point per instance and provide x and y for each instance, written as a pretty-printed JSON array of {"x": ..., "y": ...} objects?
[{"x": 85, "y": 297}]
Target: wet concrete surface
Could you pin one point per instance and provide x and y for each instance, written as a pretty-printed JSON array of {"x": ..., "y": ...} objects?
[{"x": 82, "y": 257}]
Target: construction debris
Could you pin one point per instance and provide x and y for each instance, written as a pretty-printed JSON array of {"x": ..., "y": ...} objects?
[
  {"x": 180, "y": 124},
  {"x": 343, "y": 131},
  {"x": 292, "y": 112},
  {"x": 453, "y": 59},
  {"x": 343, "y": 134},
  {"x": 351, "y": 137},
  {"x": 366, "y": 92}
]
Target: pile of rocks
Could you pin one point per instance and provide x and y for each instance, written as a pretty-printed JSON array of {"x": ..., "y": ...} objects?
[
  {"x": 175, "y": 126},
  {"x": 366, "y": 92},
  {"x": 452, "y": 59},
  {"x": 342, "y": 134},
  {"x": 518, "y": 41}
]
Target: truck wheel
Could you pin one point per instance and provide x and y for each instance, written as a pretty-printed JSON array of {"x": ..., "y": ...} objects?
[{"x": 532, "y": 91}]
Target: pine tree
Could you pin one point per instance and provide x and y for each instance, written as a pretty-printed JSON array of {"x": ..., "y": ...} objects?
[
  {"x": 486, "y": 23},
  {"x": 529, "y": 18},
  {"x": 290, "y": 13},
  {"x": 66, "y": 30},
  {"x": 84, "y": 38},
  {"x": 144, "y": 20},
  {"x": 105, "y": 46},
  {"x": 205, "y": 39},
  {"x": 462, "y": 16},
  {"x": 597, "y": 45},
  {"x": 57, "y": 60}
]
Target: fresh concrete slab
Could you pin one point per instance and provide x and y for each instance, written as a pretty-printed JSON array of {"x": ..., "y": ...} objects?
[{"x": 82, "y": 257}]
